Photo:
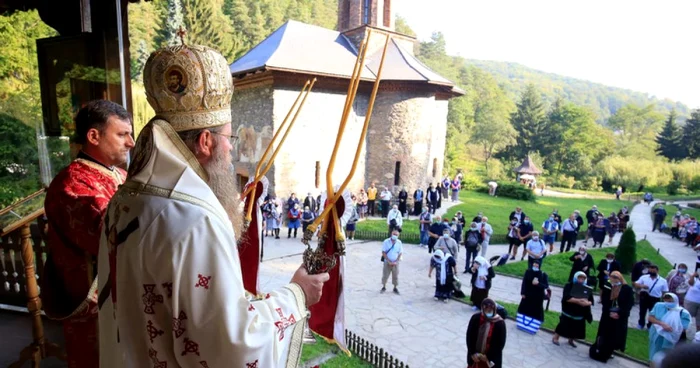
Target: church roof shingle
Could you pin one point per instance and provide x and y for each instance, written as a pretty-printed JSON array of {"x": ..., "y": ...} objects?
[{"x": 302, "y": 48}]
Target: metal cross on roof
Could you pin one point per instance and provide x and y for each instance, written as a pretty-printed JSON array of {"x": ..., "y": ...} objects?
[{"x": 181, "y": 33}]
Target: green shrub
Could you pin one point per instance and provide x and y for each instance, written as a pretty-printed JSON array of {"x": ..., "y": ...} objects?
[
  {"x": 515, "y": 191},
  {"x": 472, "y": 182},
  {"x": 588, "y": 183},
  {"x": 562, "y": 181},
  {"x": 694, "y": 185},
  {"x": 626, "y": 252},
  {"x": 673, "y": 187}
]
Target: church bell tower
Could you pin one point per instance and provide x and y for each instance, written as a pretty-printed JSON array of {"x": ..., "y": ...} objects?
[{"x": 357, "y": 13}]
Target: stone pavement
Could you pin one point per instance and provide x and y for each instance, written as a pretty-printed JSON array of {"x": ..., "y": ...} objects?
[
  {"x": 413, "y": 327},
  {"x": 673, "y": 250}
]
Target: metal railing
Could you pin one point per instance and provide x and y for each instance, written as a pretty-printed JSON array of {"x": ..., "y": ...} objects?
[{"x": 371, "y": 353}]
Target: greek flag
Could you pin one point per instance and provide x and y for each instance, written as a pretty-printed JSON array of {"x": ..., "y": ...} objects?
[{"x": 527, "y": 324}]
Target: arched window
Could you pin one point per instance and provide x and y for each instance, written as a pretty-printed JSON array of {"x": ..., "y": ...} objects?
[
  {"x": 435, "y": 163},
  {"x": 366, "y": 11},
  {"x": 397, "y": 173}
]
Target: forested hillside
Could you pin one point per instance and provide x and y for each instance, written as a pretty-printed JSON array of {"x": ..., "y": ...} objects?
[{"x": 603, "y": 100}]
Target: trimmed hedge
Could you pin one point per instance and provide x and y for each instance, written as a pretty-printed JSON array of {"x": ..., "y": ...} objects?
[{"x": 512, "y": 190}]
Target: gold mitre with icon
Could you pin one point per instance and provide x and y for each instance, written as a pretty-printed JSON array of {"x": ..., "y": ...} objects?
[{"x": 189, "y": 86}]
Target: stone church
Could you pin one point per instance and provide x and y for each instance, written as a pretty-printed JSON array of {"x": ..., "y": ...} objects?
[{"x": 405, "y": 144}]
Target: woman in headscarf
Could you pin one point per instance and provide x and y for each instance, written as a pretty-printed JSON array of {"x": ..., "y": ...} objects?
[
  {"x": 576, "y": 304},
  {"x": 582, "y": 262},
  {"x": 624, "y": 217},
  {"x": 445, "y": 268},
  {"x": 294, "y": 223},
  {"x": 678, "y": 282},
  {"x": 486, "y": 337},
  {"x": 617, "y": 299},
  {"x": 599, "y": 228},
  {"x": 532, "y": 292},
  {"x": 482, "y": 273},
  {"x": 669, "y": 321},
  {"x": 273, "y": 219}
]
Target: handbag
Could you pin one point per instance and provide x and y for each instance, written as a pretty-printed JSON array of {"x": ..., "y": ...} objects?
[
  {"x": 392, "y": 247},
  {"x": 527, "y": 324}
]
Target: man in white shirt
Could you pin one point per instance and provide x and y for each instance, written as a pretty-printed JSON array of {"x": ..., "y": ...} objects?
[
  {"x": 568, "y": 236},
  {"x": 394, "y": 219},
  {"x": 692, "y": 298},
  {"x": 486, "y": 231},
  {"x": 392, "y": 249},
  {"x": 385, "y": 198},
  {"x": 652, "y": 287},
  {"x": 550, "y": 228},
  {"x": 535, "y": 249}
]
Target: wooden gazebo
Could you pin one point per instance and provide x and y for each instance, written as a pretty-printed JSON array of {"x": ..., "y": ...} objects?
[{"x": 528, "y": 167}]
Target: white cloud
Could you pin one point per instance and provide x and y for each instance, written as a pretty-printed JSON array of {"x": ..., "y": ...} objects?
[{"x": 647, "y": 46}]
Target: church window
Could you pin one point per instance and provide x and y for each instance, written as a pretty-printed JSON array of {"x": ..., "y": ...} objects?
[
  {"x": 435, "y": 168},
  {"x": 242, "y": 181},
  {"x": 397, "y": 173},
  {"x": 366, "y": 9},
  {"x": 318, "y": 174}
]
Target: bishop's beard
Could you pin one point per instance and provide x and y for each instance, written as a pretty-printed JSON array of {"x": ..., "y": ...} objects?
[{"x": 222, "y": 182}]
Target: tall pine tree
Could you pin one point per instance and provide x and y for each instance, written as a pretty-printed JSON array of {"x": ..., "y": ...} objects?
[
  {"x": 691, "y": 135},
  {"x": 207, "y": 25},
  {"x": 171, "y": 23},
  {"x": 529, "y": 123},
  {"x": 670, "y": 139}
]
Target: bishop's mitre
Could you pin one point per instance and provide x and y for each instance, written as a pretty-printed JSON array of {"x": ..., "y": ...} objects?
[{"x": 189, "y": 86}]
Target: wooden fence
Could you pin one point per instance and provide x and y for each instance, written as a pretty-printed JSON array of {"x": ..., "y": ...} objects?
[{"x": 371, "y": 353}]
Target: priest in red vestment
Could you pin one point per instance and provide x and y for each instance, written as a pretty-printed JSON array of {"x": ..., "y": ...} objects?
[{"x": 75, "y": 204}]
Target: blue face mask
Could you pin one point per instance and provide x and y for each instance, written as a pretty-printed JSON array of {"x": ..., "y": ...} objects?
[
  {"x": 446, "y": 236},
  {"x": 489, "y": 314},
  {"x": 394, "y": 237},
  {"x": 670, "y": 304},
  {"x": 527, "y": 221},
  {"x": 551, "y": 218},
  {"x": 682, "y": 270},
  {"x": 535, "y": 268}
]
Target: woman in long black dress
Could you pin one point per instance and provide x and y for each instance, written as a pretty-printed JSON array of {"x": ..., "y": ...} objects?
[
  {"x": 575, "y": 310},
  {"x": 532, "y": 292},
  {"x": 486, "y": 337},
  {"x": 617, "y": 300},
  {"x": 445, "y": 268},
  {"x": 582, "y": 262}
]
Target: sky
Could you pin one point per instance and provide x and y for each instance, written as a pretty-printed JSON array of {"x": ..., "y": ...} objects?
[{"x": 643, "y": 45}]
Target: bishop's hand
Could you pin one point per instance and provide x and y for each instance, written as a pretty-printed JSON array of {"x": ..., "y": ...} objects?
[{"x": 312, "y": 285}]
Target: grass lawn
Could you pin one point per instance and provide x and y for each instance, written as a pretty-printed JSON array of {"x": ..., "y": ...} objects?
[
  {"x": 497, "y": 210},
  {"x": 322, "y": 347},
  {"x": 671, "y": 211},
  {"x": 558, "y": 266},
  {"x": 637, "y": 341}
]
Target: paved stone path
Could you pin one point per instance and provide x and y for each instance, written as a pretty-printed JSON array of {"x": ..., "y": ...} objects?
[
  {"x": 673, "y": 250},
  {"x": 413, "y": 327}
]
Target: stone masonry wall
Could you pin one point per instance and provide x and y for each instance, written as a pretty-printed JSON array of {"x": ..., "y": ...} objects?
[
  {"x": 252, "y": 115},
  {"x": 312, "y": 139},
  {"x": 409, "y": 128}
]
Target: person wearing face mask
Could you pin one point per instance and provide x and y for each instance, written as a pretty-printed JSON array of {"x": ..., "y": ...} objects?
[
  {"x": 613, "y": 226},
  {"x": 606, "y": 267},
  {"x": 394, "y": 220},
  {"x": 617, "y": 299},
  {"x": 582, "y": 262},
  {"x": 535, "y": 249},
  {"x": 692, "y": 298},
  {"x": 403, "y": 201},
  {"x": 307, "y": 217},
  {"x": 525, "y": 231},
  {"x": 434, "y": 233},
  {"x": 550, "y": 228},
  {"x": 294, "y": 220},
  {"x": 576, "y": 304},
  {"x": 482, "y": 273},
  {"x": 513, "y": 238},
  {"x": 392, "y": 249},
  {"x": 486, "y": 337},
  {"x": 599, "y": 227},
  {"x": 669, "y": 321},
  {"x": 472, "y": 239},
  {"x": 518, "y": 215},
  {"x": 651, "y": 288},
  {"x": 433, "y": 198},
  {"x": 385, "y": 200},
  {"x": 675, "y": 223},
  {"x": 456, "y": 230},
  {"x": 678, "y": 282},
  {"x": 624, "y": 217},
  {"x": 418, "y": 196},
  {"x": 445, "y": 268},
  {"x": 532, "y": 292},
  {"x": 424, "y": 220},
  {"x": 568, "y": 236},
  {"x": 447, "y": 244},
  {"x": 486, "y": 231}
]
